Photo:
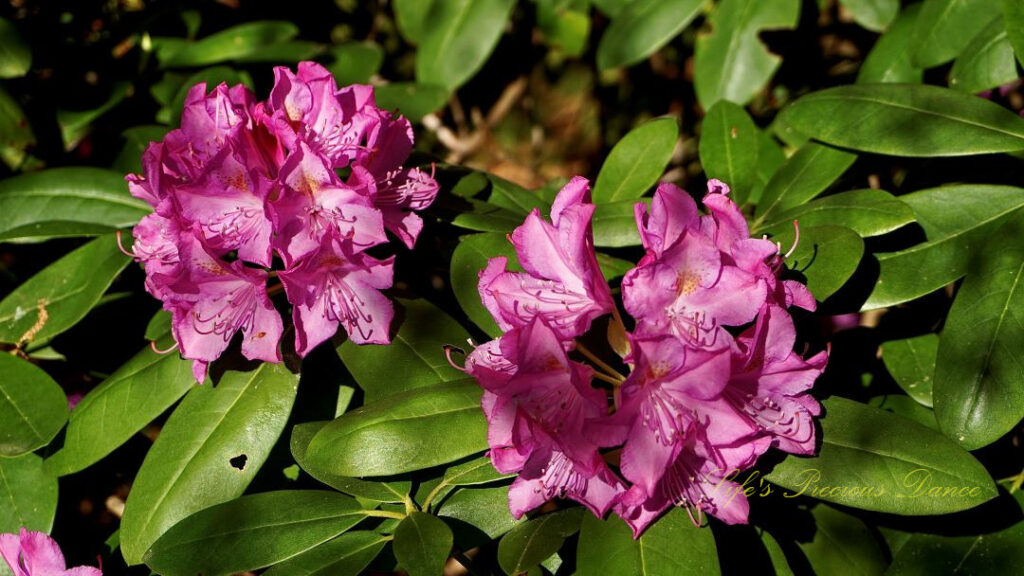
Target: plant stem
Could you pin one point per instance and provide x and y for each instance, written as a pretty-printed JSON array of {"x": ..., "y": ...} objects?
[
  {"x": 383, "y": 514},
  {"x": 612, "y": 372},
  {"x": 433, "y": 494}
]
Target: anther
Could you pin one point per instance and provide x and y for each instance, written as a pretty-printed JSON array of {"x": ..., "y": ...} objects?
[
  {"x": 448, "y": 349},
  {"x": 121, "y": 247},
  {"x": 152, "y": 345}
]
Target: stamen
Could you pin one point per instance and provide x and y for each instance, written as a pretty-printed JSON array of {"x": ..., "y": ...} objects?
[
  {"x": 448, "y": 349},
  {"x": 796, "y": 240},
  {"x": 152, "y": 345},
  {"x": 121, "y": 247}
]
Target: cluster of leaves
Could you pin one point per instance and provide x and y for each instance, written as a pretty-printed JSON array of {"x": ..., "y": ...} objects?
[{"x": 374, "y": 456}]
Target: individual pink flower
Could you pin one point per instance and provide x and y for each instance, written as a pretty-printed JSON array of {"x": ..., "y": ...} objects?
[
  {"x": 562, "y": 281},
  {"x": 36, "y": 554}
]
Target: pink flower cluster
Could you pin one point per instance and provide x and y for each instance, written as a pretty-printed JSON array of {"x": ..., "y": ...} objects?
[
  {"x": 36, "y": 554},
  {"x": 311, "y": 178},
  {"x": 713, "y": 383}
]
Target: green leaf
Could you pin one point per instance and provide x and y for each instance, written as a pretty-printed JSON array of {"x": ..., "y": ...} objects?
[
  {"x": 906, "y": 120},
  {"x": 476, "y": 471},
  {"x": 730, "y": 62},
  {"x": 76, "y": 124},
  {"x": 642, "y": 28},
  {"x": 809, "y": 172},
  {"x": 192, "y": 464},
  {"x": 61, "y": 294},
  {"x": 986, "y": 63},
  {"x": 955, "y": 219},
  {"x": 15, "y": 55},
  {"x": 906, "y": 407},
  {"x": 670, "y": 546},
  {"x": 483, "y": 508},
  {"x": 901, "y": 466},
  {"x": 422, "y": 543},
  {"x": 487, "y": 217},
  {"x": 346, "y": 555},
  {"x": 393, "y": 492},
  {"x": 515, "y": 198},
  {"x": 292, "y": 51},
  {"x": 28, "y": 495},
  {"x": 469, "y": 258},
  {"x": 989, "y": 553},
  {"x": 889, "y": 59},
  {"x": 911, "y": 363},
  {"x": 778, "y": 558},
  {"x": 137, "y": 139},
  {"x": 945, "y": 27},
  {"x": 411, "y": 99},
  {"x": 211, "y": 77},
  {"x": 612, "y": 267},
  {"x": 728, "y": 148},
  {"x": 232, "y": 44},
  {"x": 415, "y": 358},
  {"x": 530, "y": 543},
  {"x": 563, "y": 28},
  {"x": 457, "y": 38},
  {"x": 842, "y": 544},
  {"x": 614, "y": 224},
  {"x": 411, "y": 17},
  {"x": 866, "y": 212},
  {"x": 826, "y": 255},
  {"x": 15, "y": 132},
  {"x": 405, "y": 432},
  {"x": 159, "y": 325},
  {"x": 355, "y": 62},
  {"x": 1013, "y": 12},
  {"x": 637, "y": 161},
  {"x": 875, "y": 15},
  {"x": 978, "y": 395},
  {"x": 33, "y": 408},
  {"x": 66, "y": 202},
  {"x": 770, "y": 158},
  {"x": 129, "y": 399},
  {"x": 252, "y": 532}
]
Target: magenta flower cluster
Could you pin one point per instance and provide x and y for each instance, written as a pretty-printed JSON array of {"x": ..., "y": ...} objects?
[
  {"x": 310, "y": 178},
  {"x": 36, "y": 554},
  {"x": 713, "y": 383}
]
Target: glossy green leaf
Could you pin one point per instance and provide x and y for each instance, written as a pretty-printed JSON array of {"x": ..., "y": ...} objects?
[
  {"x": 252, "y": 532},
  {"x": 483, "y": 508},
  {"x": 235, "y": 43},
  {"x": 422, "y": 543},
  {"x": 906, "y": 120},
  {"x": 770, "y": 158},
  {"x": 809, "y": 172},
  {"x": 890, "y": 58},
  {"x": 906, "y": 407},
  {"x": 412, "y": 100},
  {"x": 292, "y": 51},
  {"x": 874, "y": 15},
  {"x": 642, "y": 28},
  {"x": 986, "y": 63},
  {"x": 395, "y": 491},
  {"x": 415, "y": 358},
  {"x": 826, "y": 255},
  {"x": 411, "y": 17},
  {"x": 15, "y": 55},
  {"x": 670, "y": 546},
  {"x": 637, "y": 161},
  {"x": 476, "y": 471},
  {"x": 209, "y": 76},
  {"x": 901, "y": 466},
  {"x": 76, "y": 124},
  {"x": 487, "y": 217},
  {"x": 33, "y": 407},
  {"x": 729, "y": 145},
  {"x": 614, "y": 224},
  {"x": 842, "y": 544},
  {"x": 193, "y": 463},
  {"x": 911, "y": 363},
  {"x": 137, "y": 139},
  {"x": 28, "y": 495},
  {"x": 515, "y": 198},
  {"x": 978, "y": 373},
  {"x": 530, "y": 543},
  {"x": 129, "y": 399},
  {"x": 956, "y": 220},
  {"x": 405, "y": 432},
  {"x": 775, "y": 553},
  {"x": 355, "y": 62},
  {"x": 15, "y": 132},
  {"x": 346, "y": 555},
  {"x": 66, "y": 202},
  {"x": 61, "y": 294},
  {"x": 990, "y": 553},
  {"x": 469, "y": 258},
  {"x": 866, "y": 212},
  {"x": 1013, "y": 13},
  {"x": 612, "y": 267},
  {"x": 457, "y": 38},
  {"x": 731, "y": 63},
  {"x": 945, "y": 27}
]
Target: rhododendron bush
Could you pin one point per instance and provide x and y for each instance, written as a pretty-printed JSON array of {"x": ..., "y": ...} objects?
[{"x": 493, "y": 287}]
